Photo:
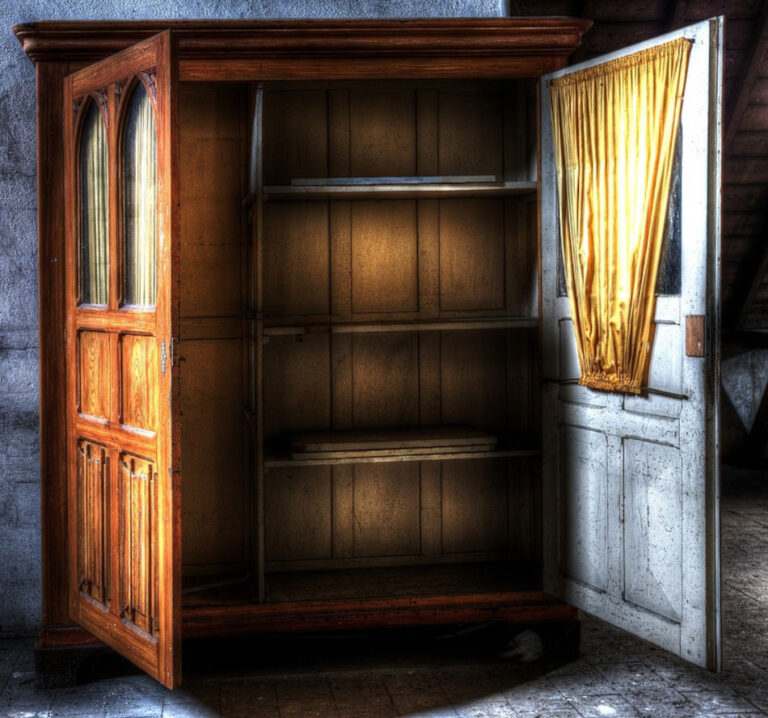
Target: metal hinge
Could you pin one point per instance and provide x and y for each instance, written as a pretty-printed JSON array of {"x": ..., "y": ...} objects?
[{"x": 163, "y": 357}]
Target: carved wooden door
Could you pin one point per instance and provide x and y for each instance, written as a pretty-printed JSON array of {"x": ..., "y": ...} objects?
[
  {"x": 121, "y": 238},
  {"x": 631, "y": 482}
]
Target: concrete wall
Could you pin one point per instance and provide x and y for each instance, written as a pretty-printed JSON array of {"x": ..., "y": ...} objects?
[{"x": 19, "y": 446}]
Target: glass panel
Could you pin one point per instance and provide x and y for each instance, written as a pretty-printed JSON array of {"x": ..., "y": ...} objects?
[
  {"x": 94, "y": 210},
  {"x": 139, "y": 201},
  {"x": 668, "y": 280}
]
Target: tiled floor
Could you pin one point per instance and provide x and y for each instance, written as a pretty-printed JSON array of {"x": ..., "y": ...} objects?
[{"x": 427, "y": 674}]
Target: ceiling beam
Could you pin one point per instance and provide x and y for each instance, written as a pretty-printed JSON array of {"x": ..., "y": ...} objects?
[
  {"x": 753, "y": 68},
  {"x": 743, "y": 293},
  {"x": 675, "y": 14}
]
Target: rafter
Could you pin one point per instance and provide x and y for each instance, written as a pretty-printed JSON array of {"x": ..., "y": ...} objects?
[
  {"x": 742, "y": 294},
  {"x": 753, "y": 68},
  {"x": 675, "y": 14}
]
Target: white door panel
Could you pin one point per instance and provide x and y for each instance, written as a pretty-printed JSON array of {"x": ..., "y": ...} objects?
[{"x": 631, "y": 495}]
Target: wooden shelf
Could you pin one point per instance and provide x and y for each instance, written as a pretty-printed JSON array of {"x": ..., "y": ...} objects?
[
  {"x": 405, "y": 326},
  {"x": 399, "y": 188},
  {"x": 419, "y": 443},
  {"x": 277, "y": 461}
]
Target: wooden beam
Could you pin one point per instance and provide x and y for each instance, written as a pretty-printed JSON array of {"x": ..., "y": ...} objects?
[
  {"x": 753, "y": 69},
  {"x": 742, "y": 294},
  {"x": 675, "y": 14}
]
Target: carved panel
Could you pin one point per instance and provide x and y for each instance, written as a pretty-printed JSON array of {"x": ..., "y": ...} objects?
[
  {"x": 138, "y": 542},
  {"x": 150, "y": 77},
  {"x": 95, "y": 374},
  {"x": 139, "y": 368},
  {"x": 93, "y": 521}
]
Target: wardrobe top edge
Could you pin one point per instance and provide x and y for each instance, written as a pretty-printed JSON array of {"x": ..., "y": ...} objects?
[{"x": 63, "y": 40}]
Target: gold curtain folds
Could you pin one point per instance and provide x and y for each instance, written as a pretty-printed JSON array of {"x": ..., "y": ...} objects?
[
  {"x": 94, "y": 208},
  {"x": 614, "y": 129},
  {"x": 139, "y": 201}
]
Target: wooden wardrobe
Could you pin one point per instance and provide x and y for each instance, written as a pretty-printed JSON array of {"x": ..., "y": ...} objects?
[{"x": 328, "y": 413}]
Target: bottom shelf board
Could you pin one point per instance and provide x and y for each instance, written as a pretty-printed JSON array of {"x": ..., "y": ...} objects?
[
  {"x": 380, "y": 583},
  {"x": 399, "y": 582}
]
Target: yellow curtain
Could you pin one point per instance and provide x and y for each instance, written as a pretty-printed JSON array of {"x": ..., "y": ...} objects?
[
  {"x": 614, "y": 128},
  {"x": 140, "y": 192},
  {"x": 94, "y": 263}
]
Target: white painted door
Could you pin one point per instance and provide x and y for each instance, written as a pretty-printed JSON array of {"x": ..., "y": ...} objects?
[{"x": 631, "y": 530}]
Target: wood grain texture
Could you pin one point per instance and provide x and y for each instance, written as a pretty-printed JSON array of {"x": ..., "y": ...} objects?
[
  {"x": 137, "y": 388},
  {"x": 470, "y": 132},
  {"x": 474, "y": 506},
  {"x": 138, "y": 576},
  {"x": 384, "y": 257},
  {"x": 95, "y": 369},
  {"x": 382, "y": 135},
  {"x": 386, "y": 510},
  {"x": 93, "y": 489},
  {"x": 296, "y": 260},
  {"x": 385, "y": 365},
  {"x": 525, "y": 39},
  {"x": 378, "y": 269},
  {"x": 472, "y": 264},
  {"x": 297, "y": 513},
  {"x": 213, "y": 454},
  {"x": 139, "y": 364},
  {"x": 297, "y": 391}
]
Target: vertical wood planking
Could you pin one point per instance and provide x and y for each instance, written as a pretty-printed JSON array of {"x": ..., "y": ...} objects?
[
  {"x": 431, "y": 507},
  {"x": 385, "y": 365},
  {"x": 429, "y": 258},
  {"x": 386, "y": 509},
  {"x": 382, "y": 133},
  {"x": 427, "y": 132},
  {"x": 384, "y": 257},
  {"x": 339, "y": 134},
  {"x": 474, "y": 506},
  {"x": 429, "y": 379},
  {"x": 470, "y": 133},
  {"x": 340, "y": 230},
  {"x": 295, "y": 135},
  {"x": 296, "y": 259},
  {"x": 342, "y": 511},
  {"x": 342, "y": 402},
  {"x": 297, "y": 513},
  {"x": 52, "y": 305},
  {"x": 472, "y": 255},
  {"x": 296, "y": 389}
]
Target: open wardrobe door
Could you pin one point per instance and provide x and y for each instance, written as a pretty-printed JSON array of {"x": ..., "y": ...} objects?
[
  {"x": 121, "y": 304},
  {"x": 631, "y": 480}
]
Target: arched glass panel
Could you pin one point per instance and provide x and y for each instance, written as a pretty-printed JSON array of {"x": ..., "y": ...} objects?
[
  {"x": 139, "y": 201},
  {"x": 94, "y": 210}
]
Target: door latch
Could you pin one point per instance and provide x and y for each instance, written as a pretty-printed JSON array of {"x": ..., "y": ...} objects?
[{"x": 695, "y": 329}]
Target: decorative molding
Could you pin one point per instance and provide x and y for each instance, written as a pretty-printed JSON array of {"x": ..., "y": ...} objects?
[{"x": 291, "y": 39}]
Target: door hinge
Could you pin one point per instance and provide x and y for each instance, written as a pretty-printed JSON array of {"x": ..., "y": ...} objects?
[{"x": 163, "y": 357}]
